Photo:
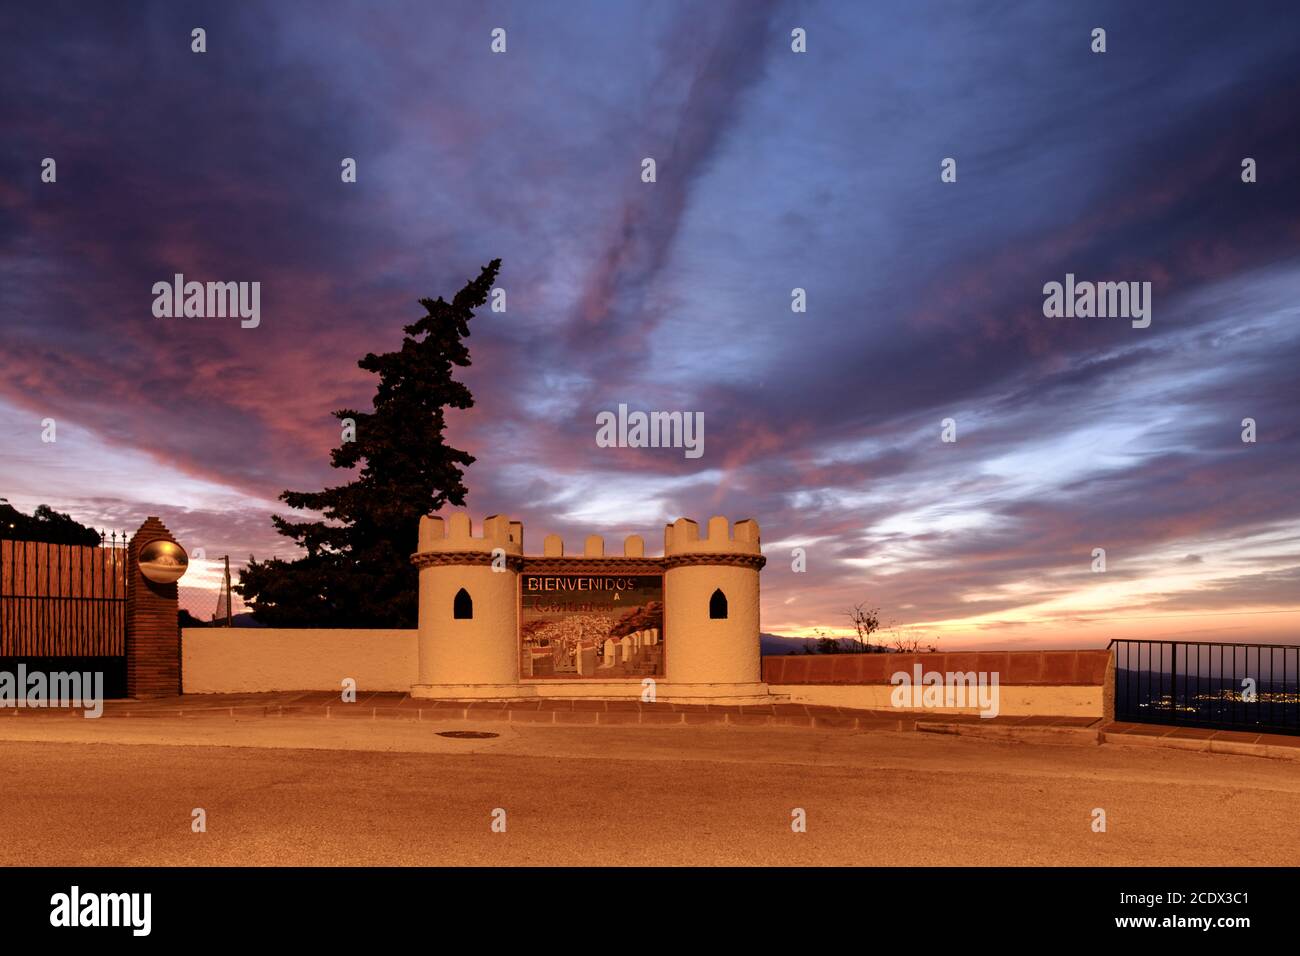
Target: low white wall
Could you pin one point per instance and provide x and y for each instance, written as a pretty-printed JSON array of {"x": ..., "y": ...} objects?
[
  {"x": 221, "y": 660},
  {"x": 231, "y": 660},
  {"x": 1014, "y": 700}
]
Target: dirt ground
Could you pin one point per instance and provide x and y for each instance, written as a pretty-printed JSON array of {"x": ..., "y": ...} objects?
[{"x": 341, "y": 792}]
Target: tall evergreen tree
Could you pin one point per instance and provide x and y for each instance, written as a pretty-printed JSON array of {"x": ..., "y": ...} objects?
[{"x": 357, "y": 570}]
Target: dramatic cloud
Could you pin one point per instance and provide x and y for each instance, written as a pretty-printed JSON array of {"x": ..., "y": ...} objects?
[{"x": 775, "y": 171}]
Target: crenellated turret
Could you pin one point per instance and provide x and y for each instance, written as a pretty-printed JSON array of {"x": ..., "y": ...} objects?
[
  {"x": 470, "y": 643},
  {"x": 469, "y": 613},
  {"x": 711, "y": 602}
]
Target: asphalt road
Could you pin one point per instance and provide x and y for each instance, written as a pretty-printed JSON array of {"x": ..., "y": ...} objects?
[{"x": 377, "y": 793}]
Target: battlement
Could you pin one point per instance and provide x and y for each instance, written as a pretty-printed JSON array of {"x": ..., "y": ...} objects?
[
  {"x": 683, "y": 537},
  {"x": 456, "y": 533},
  {"x": 593, "y": 547}
]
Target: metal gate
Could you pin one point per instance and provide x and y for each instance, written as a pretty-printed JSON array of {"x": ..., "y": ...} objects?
[{"x": 63, "y": 607}]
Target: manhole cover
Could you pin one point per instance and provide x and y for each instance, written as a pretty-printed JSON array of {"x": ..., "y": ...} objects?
[{"x": 466, "y": 734}]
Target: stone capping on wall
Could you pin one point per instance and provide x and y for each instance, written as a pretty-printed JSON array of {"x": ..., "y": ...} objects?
[{"x": 1085, "y": 668}]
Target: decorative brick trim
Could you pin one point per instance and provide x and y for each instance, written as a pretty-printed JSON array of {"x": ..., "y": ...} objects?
[
  {"x": 439, "y": 559},
  {"x": 754, "y": 562}
]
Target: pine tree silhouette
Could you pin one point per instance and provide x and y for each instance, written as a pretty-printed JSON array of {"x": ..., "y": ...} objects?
[{"x": 357, "y": 570}]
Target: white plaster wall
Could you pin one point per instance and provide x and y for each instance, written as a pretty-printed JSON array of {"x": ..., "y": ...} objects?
[
  {"x": 1013, "y": 700},
  {"x": 484, "y": 650},
  {"x": 228, "y": 660},
  {"x": 700, "y": 650}
]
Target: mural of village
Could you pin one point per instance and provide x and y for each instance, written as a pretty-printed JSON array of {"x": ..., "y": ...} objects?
[{"x": 611, "y": 628}]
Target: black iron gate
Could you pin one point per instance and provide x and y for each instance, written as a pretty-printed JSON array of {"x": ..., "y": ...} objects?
[
  {"x": 63, "y": 608},
  {"x": 1252, "y": 687}
]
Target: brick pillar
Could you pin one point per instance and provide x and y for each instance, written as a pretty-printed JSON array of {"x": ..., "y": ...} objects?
[{"x": 153, "y": 637}]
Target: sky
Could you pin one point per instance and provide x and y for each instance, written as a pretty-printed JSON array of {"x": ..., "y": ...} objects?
[{"x": 775, "y": 170}]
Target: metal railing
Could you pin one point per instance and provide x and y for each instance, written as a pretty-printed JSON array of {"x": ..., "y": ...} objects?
[{"x": 1254, "y": 687}]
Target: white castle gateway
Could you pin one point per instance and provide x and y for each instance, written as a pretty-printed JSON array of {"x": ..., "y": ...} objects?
[{"x": 497, "y": 624}]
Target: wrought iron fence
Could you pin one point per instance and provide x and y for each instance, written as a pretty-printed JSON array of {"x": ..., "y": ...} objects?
[
  {"x": 1205, "y": 684},
  {"x": 63, "y": 600}
]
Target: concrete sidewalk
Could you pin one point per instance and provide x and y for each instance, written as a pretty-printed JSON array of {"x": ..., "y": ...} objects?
[
  {"x": 327, "y": 705},
  {"x": 1201, "y": 740},
  {"x": 1276, "y": 746},
  {"x": 398, "y": 706}
]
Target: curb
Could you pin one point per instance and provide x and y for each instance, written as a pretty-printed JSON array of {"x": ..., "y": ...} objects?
[
  {"x": 586, "y": 718},
  {"x": 1089, "y": 736},
  {"x": 480, "y": 713},
  {"x": 877, "y": 721},
  {"x": 477, "y": 713},
  {"x": 1236, "y": 748},
  {"x": 1075, "y": 736}
]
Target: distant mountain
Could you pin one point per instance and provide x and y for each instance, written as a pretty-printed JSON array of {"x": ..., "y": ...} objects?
[{"x": 774, "y": 645}]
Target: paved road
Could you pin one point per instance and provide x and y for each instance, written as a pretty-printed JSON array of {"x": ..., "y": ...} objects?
[{"x": 360, "y": 792}]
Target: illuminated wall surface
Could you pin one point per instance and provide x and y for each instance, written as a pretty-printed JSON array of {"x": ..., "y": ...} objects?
[{"x": 494, "y": 621}]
